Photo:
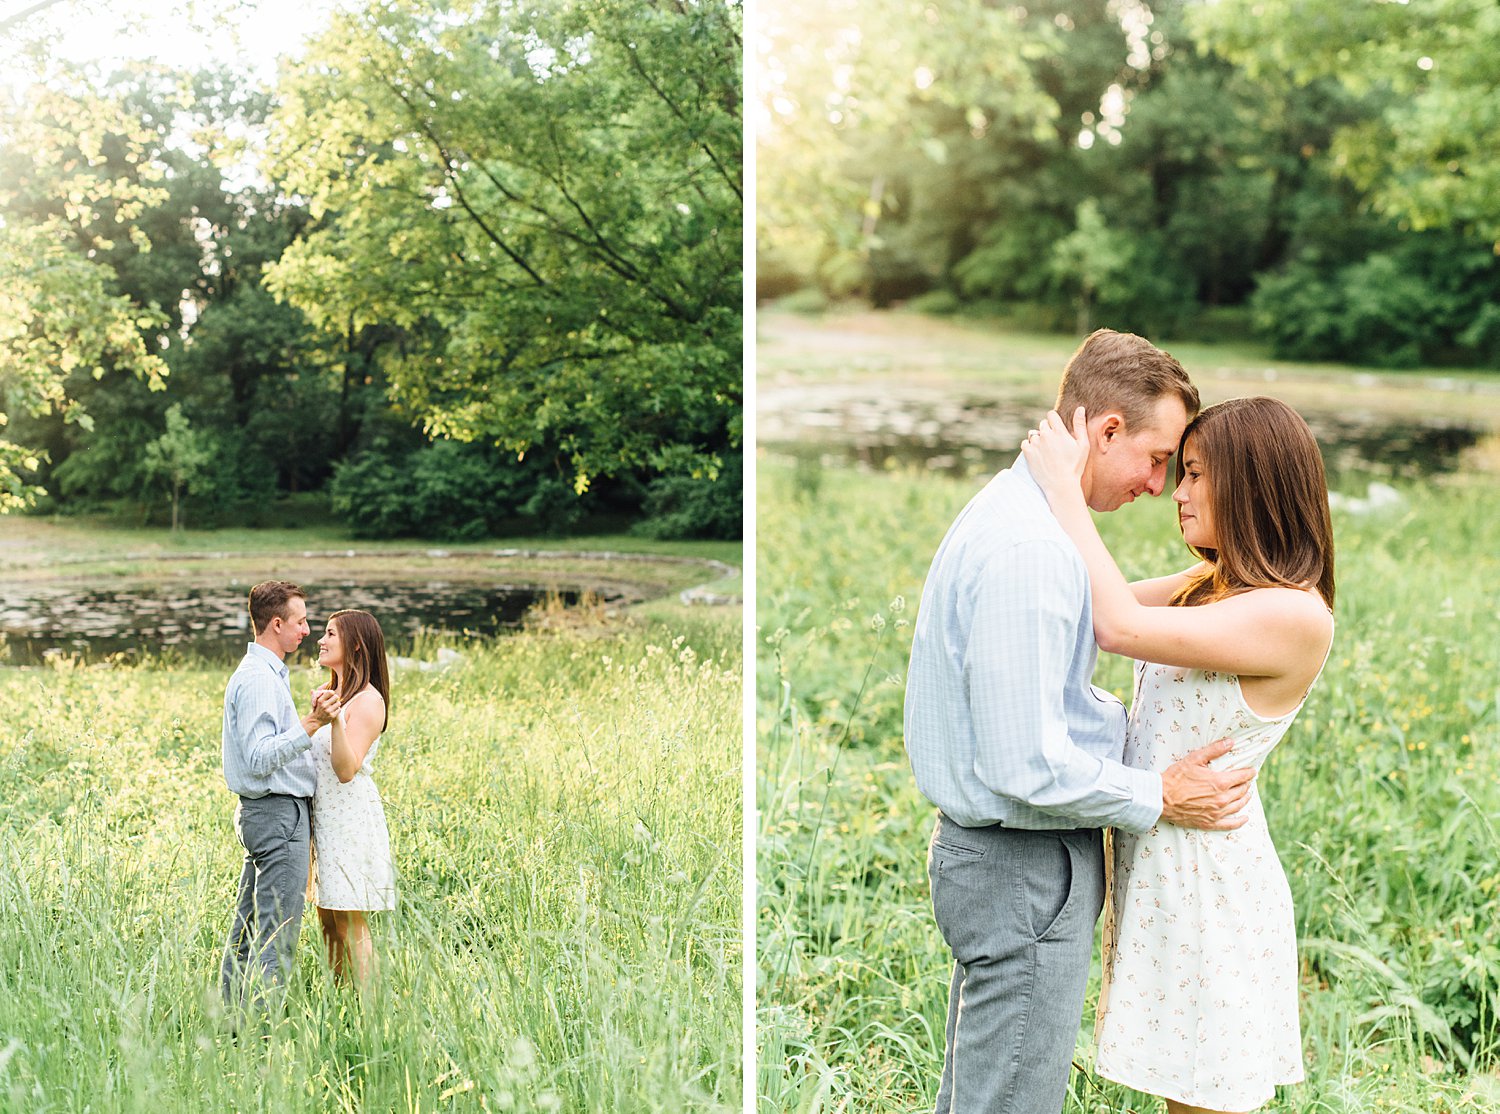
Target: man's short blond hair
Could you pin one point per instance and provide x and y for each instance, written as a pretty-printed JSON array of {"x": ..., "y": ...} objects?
[
  {"x": 1124, "y": 373},
  {"x": 271, "y": 599}
]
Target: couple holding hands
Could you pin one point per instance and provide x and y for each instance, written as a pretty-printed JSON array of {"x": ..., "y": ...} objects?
[{"x": 303, "y": 782}]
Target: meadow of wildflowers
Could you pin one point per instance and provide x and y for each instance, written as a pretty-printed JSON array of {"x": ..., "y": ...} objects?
[
  {"x": 564, "y": 808},
  {"x": 1384, "y": 802}
]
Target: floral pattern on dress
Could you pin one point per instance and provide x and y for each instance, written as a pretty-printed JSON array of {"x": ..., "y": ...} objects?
[
  {"x": 1200, "y": 951},
  {"x": 350, "y": 841}
]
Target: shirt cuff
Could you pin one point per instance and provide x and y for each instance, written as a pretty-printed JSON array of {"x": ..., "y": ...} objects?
[
  {"x": 292, "y": 744},
  {"x": 1142, "y": 808}
]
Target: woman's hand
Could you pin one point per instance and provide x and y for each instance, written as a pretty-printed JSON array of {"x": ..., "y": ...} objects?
[
  {"x": 324, "y": 710},
  {"x": 1056, "y": 456},
  {"x": 325, "y": 705}
]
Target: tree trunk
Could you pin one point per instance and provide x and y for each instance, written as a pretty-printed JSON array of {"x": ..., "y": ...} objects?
[
  {"x": 1085, "y": 304},
  {"x": 342, "y": 436}
]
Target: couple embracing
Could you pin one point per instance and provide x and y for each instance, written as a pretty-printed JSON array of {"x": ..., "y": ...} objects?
[
  {"x": 1027, "y": 762},
  {"x": 304, "y": 780}
]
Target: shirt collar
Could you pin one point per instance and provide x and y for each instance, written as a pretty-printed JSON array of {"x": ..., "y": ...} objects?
[
  {"x": 1023, "y": 472},
  {"x": 256, "y": 650}
]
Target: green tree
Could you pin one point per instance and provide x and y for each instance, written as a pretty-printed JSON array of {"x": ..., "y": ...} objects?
[
  {"x": 546, "y": 202},
  {"x": 61, "y": 313},
  {"x": 879, "y": 116},
  {"x": 179, "y": 458},
  {"x": 1089, "y": 259},
  {"x": 282, "y": 401},
  {"x": 1428, "y": 157}
]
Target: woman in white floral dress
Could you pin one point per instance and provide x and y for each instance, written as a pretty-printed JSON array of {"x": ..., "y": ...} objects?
[
  {"x": 1199, "y": 1003},
  {"x": 355, "y": 875}
]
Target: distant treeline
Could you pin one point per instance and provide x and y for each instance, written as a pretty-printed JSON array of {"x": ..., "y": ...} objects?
[
  {"x": 1311, "y": 171},
  {"x": 459, "y": 278}
]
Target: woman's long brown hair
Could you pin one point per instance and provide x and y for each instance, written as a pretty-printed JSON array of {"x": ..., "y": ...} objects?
[
  {"x": 364, "y": 658},
  {"x": 1268, "y": 496}
]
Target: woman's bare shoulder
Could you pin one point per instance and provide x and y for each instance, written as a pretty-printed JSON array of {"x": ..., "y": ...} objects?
[
  {"x": 366, "y": 702},
  {"x": 1302, "y": 609}
]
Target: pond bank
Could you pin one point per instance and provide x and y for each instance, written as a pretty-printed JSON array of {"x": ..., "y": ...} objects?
[
  {"x": 58, "y": 593},
  {"x": 893, "y": 389}
]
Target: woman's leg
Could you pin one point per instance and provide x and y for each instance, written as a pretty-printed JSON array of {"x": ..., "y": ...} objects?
[
  {"x": 334, "y": 935},
  {"x": 361, "y": 947},
  {"x": 1175, "y": 1107}
]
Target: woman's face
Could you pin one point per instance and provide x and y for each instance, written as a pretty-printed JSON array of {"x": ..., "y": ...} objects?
[
  {"x": 331, "y": 647},
  {"x": 1194, "y": 510}
]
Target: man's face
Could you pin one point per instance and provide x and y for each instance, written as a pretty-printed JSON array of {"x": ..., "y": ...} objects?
[
  {"x": 1124, "y": 463},
  {"x": 289, "y": 632}
]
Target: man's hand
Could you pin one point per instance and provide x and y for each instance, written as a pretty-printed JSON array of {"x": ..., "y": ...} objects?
[
  {"x": 325, "y": 708},
  {"x": 1193, "y": 796}
]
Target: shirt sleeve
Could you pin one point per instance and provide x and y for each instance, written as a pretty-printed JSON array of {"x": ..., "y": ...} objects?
[
  {"x": 1027, "y": 606},
  {"x": 265, "y": 750}
]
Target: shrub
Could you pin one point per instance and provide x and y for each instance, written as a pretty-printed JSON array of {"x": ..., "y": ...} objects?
[
  {"x": 1298, "y": 311},
  {"x": 1424, "y": 300},
  {"x": 810, "y": 302},
  {"x": 776, "y": 276},
  {"x": 936, "y": 303},
  {"x": 681, "y": 504},
  {"x": 1219, "y": 325},
  {"x": 236, "y": 488},
  {"x": 451, "y": 490}
]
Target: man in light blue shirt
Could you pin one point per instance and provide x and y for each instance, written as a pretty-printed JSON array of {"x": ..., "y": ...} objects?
[
  {"x": 1020, "y": 753},
  {"x": 268, "y": 765}
]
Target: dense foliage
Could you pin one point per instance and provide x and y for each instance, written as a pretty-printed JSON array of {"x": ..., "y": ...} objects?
[
  {"x": 1321, "y": 171},
  {"x": 552, "y": 217},
  {"x": 452, "y": 490},
  {"x": 518, "y": 229}
]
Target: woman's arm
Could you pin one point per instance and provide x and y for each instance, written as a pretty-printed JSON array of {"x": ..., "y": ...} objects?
[
  {"x": 1158, "y": 591},
  {"x": 1267, "y": 632},
  {"x": 355, "y": 732}
]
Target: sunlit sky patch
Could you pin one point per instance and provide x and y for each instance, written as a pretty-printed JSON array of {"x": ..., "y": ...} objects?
[{"x": 248, "y": 35}]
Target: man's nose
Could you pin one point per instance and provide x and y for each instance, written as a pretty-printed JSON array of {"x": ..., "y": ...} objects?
[{"x": 1158, "y": 482}]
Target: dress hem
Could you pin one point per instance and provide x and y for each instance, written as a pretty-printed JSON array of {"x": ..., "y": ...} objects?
[
  {"x": 356, "y": 908},
  {"x": 1163, "y": 1089}
]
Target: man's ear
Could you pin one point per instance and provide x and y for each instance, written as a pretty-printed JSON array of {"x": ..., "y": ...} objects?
[{"x": 1112, "y": 425}]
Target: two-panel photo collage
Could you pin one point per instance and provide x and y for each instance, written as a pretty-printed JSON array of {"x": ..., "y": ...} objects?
[{"x": 749, "y": 556}]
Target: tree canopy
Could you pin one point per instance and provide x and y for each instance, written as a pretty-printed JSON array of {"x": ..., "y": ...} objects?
[
  {"x": 1428, "y": 155},
  {"x": 1320, "y": 172},
  {"x": 60, "y": 313},
  {"x": 484, "y": 242},
  {"x": 547, "y": 202}
]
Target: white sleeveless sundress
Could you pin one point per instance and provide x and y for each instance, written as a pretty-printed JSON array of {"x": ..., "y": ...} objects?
[
  {"x": 349, "y": 835},
  {"x": 1200, "y": 950}
]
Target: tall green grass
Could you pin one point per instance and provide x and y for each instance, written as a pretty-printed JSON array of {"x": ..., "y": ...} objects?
[
  {"x": 1384, "y": 801},
  {"x": 564, "y": 809}
]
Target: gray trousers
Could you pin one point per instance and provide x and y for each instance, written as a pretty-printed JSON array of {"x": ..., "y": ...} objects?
[
  {"x": 1017, "y": 909},
  {"x": 274, "y": 832}
]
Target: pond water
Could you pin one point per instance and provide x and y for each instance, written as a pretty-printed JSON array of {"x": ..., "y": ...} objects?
[
  {"x": 884, "y": 428},
  {"x": 211, "y": 622}
]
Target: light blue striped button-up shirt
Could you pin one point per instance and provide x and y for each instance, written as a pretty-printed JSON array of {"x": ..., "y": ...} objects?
[
  {"x": 1003, "y": 722},
  {"x": 266, "y": 749}
]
